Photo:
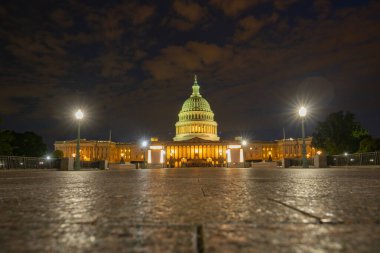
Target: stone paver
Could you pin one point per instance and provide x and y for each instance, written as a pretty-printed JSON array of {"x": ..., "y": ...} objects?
[{"x": 191, "y": 210}]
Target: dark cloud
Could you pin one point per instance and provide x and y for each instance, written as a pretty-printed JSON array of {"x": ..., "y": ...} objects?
[
  {"x": 249, "y": 26},
  {"x": 62, "y": 18},
  {"x": 113, "y": 65},
  {"x": 189, "y": 14},
  {"x": 3, "y": 11},
  {"x": 110, "y": 22},
  {"x": 283, "y": 4},
  {"x": 233, "y": 8},
  {"x": 175, "y": 61},
  {"x": 189, "y": 10},
  {"x": 42, "y": 52},
  {"x": 128, "y": 67},
  {"x": 322, "y": 8}
]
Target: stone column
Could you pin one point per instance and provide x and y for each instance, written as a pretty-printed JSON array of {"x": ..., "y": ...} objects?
[
  {"x": 320, "y": 161},
  {"x": 67, "y": 163}
]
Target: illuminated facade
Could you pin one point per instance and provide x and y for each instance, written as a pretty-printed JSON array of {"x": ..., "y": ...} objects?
[{"x": 196, "y": 143}]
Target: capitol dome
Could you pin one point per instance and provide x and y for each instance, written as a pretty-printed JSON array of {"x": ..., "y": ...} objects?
[
  {"x": 196, "y": 118},
  {"x": 196, "y": 103}
]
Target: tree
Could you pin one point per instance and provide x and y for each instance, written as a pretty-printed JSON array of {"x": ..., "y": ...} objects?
[
  {"x": 339, "y": 133},
  {"x": 5, "y": 143},
  {"x": 21, "y": 144},
  {"x": 5, "y": 140},
  {"x": 28, "y": 144},
  {"x": 57, "y": 154},
  {"x": 368, "y": 144}
]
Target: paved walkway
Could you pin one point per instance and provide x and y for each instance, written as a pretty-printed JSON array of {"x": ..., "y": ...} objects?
[{"x": 191, "y": 210}]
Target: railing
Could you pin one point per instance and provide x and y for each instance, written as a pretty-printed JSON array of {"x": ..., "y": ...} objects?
[
  {"x": 297, "y": 162},
  {"x": 18, "y": 162},
  {"x": 357, "y": 159},
  {"x": 89, "y": 164}
]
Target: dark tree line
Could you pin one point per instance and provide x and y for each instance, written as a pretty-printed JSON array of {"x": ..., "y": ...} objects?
[
  {"x": 21, "y": 144},
  {"x": 341, "y": 133}
]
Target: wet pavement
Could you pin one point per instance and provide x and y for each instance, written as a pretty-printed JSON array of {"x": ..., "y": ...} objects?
[{"x": 191, "y": 210}]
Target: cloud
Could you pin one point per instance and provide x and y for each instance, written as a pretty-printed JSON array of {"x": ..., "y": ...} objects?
[
  {"x": 141, "y": 13},
  {"x": 114, "y": 65},
  {"x": 3, "y": 12},
  {"x": 108, "y": 25},
  {"x": 179, "y": 60},
  {"x": 189, "y": 10},
  {"x": 119, "y": 57},
  {"x": 322, "y": 8},
  {"x": 110, "y": 22},
  {"x": 62, "y": 18},
  {"x": 42, "y": 52},
  {"x": 188, "y": 15},
  {"x": 249, "y": 26},
  {"x": 283, "y": 4},
  {"x": 235, "y": 7}
]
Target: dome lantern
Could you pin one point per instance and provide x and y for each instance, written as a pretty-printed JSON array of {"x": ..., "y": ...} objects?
[{"x": 196, "y": 88}]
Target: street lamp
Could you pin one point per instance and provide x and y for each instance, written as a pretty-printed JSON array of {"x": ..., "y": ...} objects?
[
  {"x": 79, "y": 117},
  {"x": 144, "y": 144},
  {"x": 244, "y": 144},
  {"x": 302, "y": 112}
]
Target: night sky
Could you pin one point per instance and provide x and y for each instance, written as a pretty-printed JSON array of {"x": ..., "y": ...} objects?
[{"x": 130, "y": 65}]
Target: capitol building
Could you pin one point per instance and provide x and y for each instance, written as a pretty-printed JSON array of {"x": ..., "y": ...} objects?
[{"x": 196, "y": 144}]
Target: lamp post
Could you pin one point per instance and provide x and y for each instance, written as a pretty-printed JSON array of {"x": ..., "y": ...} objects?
[
  {"x": 346, "y": 158},
  {"x": 302, "y": 112},
  {"x": 244, "y": 144},
  {"x": 79, "y": 117},
  {"x": 144, "y": 144},
  {"x": 48, "y": 161}
]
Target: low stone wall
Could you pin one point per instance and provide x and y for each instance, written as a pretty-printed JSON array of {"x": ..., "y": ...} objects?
[
  {"x": 121, "y": 166},
  {"x": 264, "y": 165}
]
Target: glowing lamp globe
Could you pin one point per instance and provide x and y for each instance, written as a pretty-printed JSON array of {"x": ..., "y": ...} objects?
[
  {"x": 79, "y": 114},
  {"x": 302, "y": 111}
]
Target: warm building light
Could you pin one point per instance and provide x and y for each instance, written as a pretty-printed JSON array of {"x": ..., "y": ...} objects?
[
  {"x": 149, "y": 156},
  {"x": 319, "y": 152},
  {"x": 162, "y": 155},
  {"x": 228, "y": 155},
  {"x": 234, "y": 146},
  {"x": 156, "y": 147}
]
